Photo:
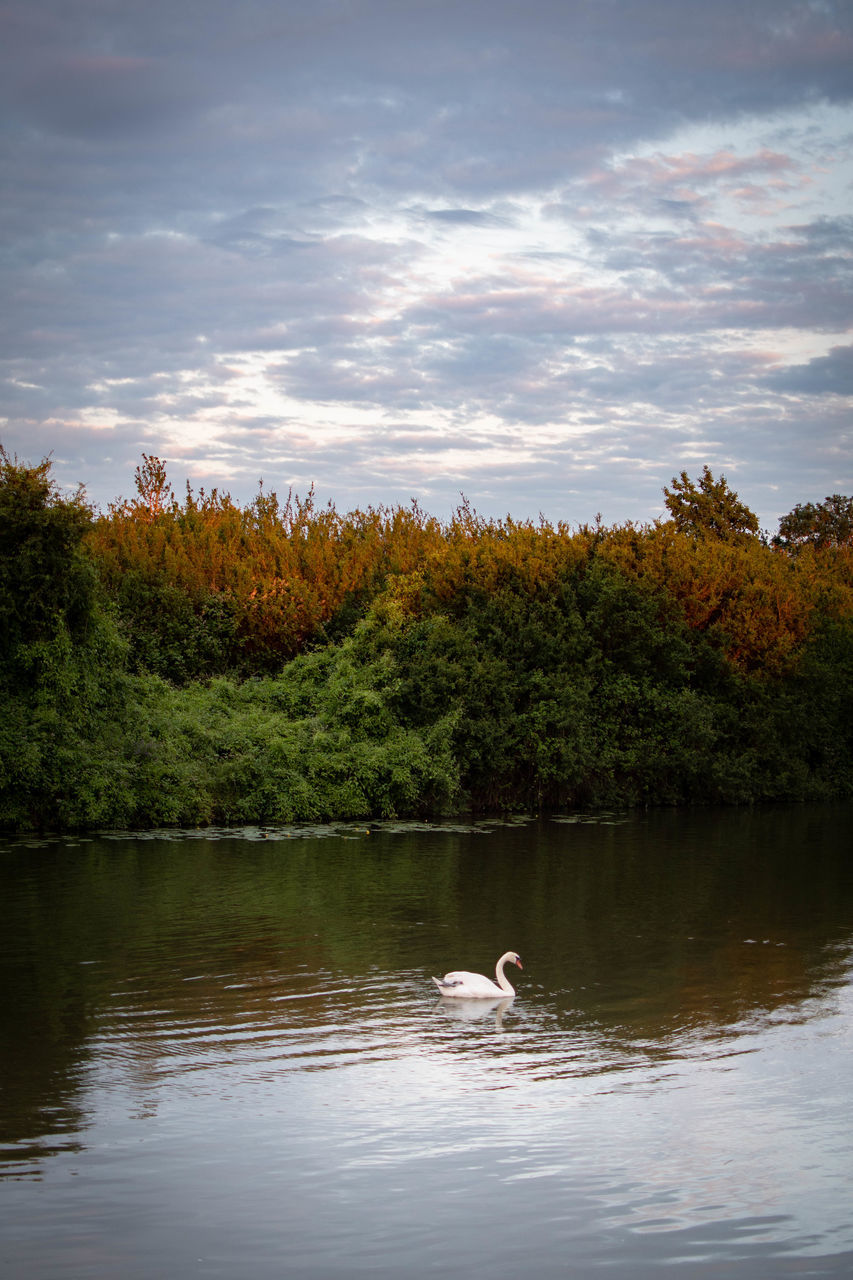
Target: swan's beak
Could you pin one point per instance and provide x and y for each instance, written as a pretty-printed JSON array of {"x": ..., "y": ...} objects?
[{"x": 518, "y": 962}]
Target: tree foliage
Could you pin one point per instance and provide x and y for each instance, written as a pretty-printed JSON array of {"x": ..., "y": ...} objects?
[
  {"x": 823, "y": 524},
  {"x": 193, "y": 662},
  {"x": 708, "y": 508},
  {"x": 47, "y": 586},
  {"x": 207, "y": 587},
  {"x": 61, "y": 657}
]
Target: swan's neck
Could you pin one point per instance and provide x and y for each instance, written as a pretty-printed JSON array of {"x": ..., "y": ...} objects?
[{"x": 503, "y": 980}]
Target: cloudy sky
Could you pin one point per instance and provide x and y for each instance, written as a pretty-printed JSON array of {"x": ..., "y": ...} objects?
[{"x": 545, "y": 253}]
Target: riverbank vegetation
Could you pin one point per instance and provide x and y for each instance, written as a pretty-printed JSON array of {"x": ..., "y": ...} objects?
[{"x": 194, "y": 661}]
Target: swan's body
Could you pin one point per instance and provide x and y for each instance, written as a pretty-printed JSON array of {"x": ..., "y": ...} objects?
[{"x": 476, "y": 986}]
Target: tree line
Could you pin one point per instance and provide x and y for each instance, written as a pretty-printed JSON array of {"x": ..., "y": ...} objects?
[{"x": 182, "y": 662}]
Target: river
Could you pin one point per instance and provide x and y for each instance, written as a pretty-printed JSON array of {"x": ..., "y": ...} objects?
[{"x": 221, "y": 1053}]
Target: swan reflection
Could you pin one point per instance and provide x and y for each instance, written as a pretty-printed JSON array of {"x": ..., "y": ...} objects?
[{"x": 475, "y": 1010}]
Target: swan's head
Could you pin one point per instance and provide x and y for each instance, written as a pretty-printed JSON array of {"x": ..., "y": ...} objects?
[{"x": 516, "y": 959}]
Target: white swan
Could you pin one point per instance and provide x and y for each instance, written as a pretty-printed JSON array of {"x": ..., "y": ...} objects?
[{"x": 476, "y": 986}]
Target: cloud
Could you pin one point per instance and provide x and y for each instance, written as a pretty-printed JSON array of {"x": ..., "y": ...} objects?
[
  {"x": 468, "y": 217},
  {"x": 104, "y": 97},
  {"x": 824, "y": 375},
  {"x": 525, "y": 249}
]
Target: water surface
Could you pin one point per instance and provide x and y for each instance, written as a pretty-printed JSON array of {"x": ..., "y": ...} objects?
[{"x": 222, "y": 1054}]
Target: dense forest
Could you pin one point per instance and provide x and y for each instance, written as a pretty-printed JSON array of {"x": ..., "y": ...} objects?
[{"x": 186, "y": 662}]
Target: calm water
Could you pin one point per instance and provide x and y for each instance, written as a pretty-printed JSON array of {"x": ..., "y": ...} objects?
[{"x": 222, "y": 1054}]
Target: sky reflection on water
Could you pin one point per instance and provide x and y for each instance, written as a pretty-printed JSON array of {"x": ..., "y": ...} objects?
[{"x": 225, "y": 1056}]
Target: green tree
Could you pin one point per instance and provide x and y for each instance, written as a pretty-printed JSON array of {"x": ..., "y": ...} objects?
[
  {"x": 822, "y": 524},
  {"x": 62, "y": 682},
  {"x": 708, "y": 508},
  {"x": 48, "y": 586}
]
